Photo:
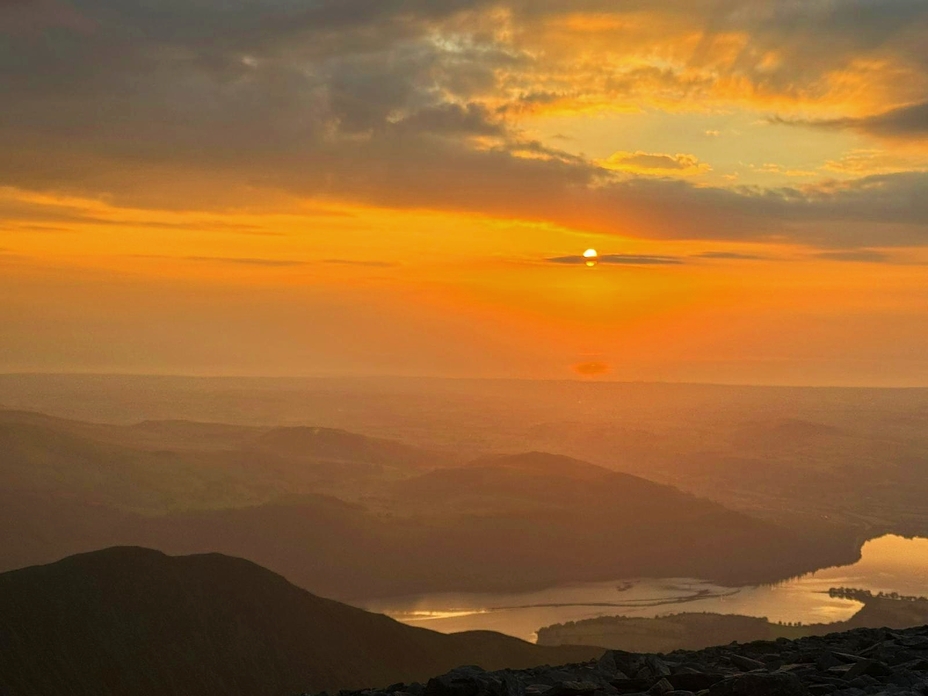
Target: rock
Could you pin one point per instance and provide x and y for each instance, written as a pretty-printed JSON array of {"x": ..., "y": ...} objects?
[
  {"x": 848, "y": 658},
  {"x": 822, "y": 689},
  {"x": 862, "y": 662},
  {"x": 626, "y": 662},
  {"x": 753, "y": 684},
  {"x": 746, "y": 664},
  {"x": 472, "y": 681},
  {"x": 657, "y": 666},
  {"x": 914, "y": 642},
  {"x": 572, "y": 688},
  {"x": 630, "y": 686},
  {"x": 827, "y": 660},
  {"x": 660, "y": 688},
  {"x": 694, "y": 682},
  {"x": 870, "y": 668},
  {"x": 607, "y": 665}
]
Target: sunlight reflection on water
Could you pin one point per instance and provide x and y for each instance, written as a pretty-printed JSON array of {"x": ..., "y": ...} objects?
[{"x": 888, "y": 564}]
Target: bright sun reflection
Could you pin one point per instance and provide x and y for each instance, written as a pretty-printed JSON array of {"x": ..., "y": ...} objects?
[{"x": 432, "y": 615}]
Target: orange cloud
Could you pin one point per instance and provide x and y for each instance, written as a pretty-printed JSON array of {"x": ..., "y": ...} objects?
[{"x": 659, "y": 164}]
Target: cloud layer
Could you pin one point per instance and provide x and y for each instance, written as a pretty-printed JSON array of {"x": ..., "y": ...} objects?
[{"x": 424, "y": 104}]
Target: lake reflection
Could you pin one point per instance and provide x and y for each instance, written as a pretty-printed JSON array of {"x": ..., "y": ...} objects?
[{"x": 888, "y": 564}]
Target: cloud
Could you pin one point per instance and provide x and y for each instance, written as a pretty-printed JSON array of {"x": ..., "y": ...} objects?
[
  {"x": 904, "y": 122},
  {"x": 855, "y": 256},
  {"x": 453, "y": 119},
  {"x": 370, "y": 264},
  {"x": 268, "y": 262},
  {"x": 416, "y": 103},
  {"x": 245, "y": 261},
  {"x": 729, "y": 256},
  {"x": 620, "y": 260},
  {"x": 655, "y": 163},
  {"x": 235, "y": 261}
]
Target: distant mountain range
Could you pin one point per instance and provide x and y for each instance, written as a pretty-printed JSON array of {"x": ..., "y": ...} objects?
[
  {"x": 355, "y": 518},
  {"x": 135, "y": 621}
]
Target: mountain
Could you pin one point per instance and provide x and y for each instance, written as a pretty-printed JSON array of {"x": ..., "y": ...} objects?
[{"x": 135, "y": 621}]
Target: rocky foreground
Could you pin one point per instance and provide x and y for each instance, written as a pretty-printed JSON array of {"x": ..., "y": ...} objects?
[{"x": 857, "y": 663}]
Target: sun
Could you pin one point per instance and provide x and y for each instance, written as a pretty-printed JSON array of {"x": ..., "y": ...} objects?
[{"x": 591, "y": 256}]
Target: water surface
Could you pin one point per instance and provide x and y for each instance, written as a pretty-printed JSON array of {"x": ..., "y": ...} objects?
[{"x": 888, "y": 564}]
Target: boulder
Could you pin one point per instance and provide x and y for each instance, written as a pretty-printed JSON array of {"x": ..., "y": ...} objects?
[{"x": 756, "y": 684}]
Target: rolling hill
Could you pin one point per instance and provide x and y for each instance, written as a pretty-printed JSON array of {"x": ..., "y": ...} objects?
[
  {"x": 158, "y": 467},
  {"x": 358, "y": 518}
]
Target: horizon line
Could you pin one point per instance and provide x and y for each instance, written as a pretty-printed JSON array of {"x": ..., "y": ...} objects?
[{"x": 373, "y": 377}]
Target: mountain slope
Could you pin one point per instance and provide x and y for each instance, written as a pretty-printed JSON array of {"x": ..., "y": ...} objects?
[{"x": 131, "y": 620}]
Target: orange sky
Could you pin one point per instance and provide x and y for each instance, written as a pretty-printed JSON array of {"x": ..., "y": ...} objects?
[{"x": 404, "y": 188}]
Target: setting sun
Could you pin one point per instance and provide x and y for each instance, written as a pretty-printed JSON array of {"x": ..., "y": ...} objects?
[{"x": 313, "y": 290}]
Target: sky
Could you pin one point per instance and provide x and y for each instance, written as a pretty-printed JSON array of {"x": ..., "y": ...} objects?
[{"x": 406, "y": 187}]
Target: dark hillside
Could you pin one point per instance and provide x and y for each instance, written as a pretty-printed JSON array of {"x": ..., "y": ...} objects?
[{"x": 134, "y": 621}]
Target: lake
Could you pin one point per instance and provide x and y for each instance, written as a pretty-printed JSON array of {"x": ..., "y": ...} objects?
[{"x": 887, "y": 564}]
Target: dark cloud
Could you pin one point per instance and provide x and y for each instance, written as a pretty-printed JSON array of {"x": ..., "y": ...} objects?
[
  {"x": 728, "y": 256},
  {"x": 245, "y": 261},
  {"x": 855, "y": 256},
  {"x": 181, "y": 104},
  {"x": 235, "y": 261},
  {"x": 269, "y": 263},
  {"x": 621, "y": 260},
  {"x": 368, "y": 264},
  {"x": 905, "y": 122},
  {"x": 453, "y": 119}
]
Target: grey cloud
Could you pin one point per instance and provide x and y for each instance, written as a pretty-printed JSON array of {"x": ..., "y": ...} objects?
[
  {"x": 245, "y": 261},
  {"x": 369, "y": 264},
  {"x": 453, "y": 119},
  {"x": 621, "y": 260},
  {"x": 231, "y": 260},
  {"x": 269, "y": 263},
  {"x": 177, "y": 103},
  {"x": 855, "y": 255},
  {"x": 905, "y": 122},
  {"x": 729, "y": 256}
]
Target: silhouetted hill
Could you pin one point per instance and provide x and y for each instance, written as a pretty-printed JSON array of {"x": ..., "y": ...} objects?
[{"x": 134, "y": 621}]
